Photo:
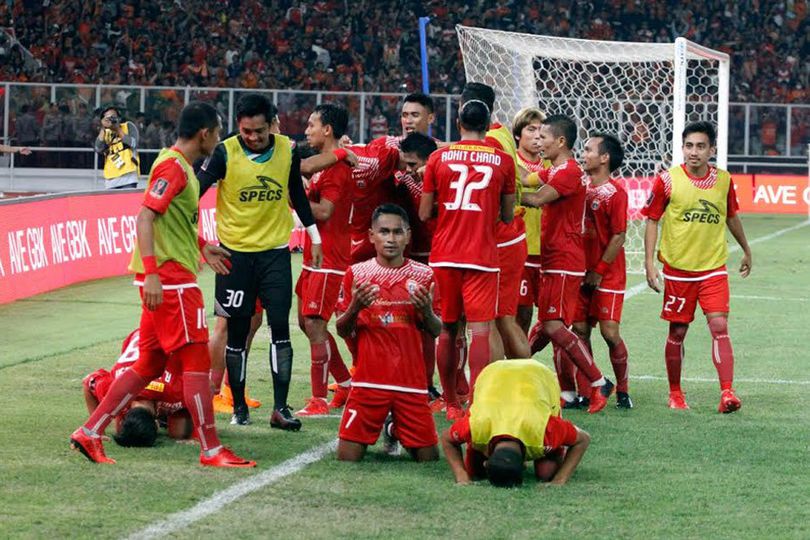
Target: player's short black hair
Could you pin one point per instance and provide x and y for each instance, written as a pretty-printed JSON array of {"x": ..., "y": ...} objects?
[
  {"x": 419, "y": 144},
  {"x": 610, "y": 145},
  {"x": 563, "y": 126},
  {"x": 701, "y": 127},
  {"x": 137, "y": 429},
  {"x": 255, "y": 104},
  {"x": 195, "y": 116},
  {"x": 391, "y": 209},
  {"x": 480, "y": 91},
  {"x": 420, "y": 98},
  {"x": 505, "y": 467},
  {"x": 474, "y": 115},
  {"x": 334, "y": 115}
]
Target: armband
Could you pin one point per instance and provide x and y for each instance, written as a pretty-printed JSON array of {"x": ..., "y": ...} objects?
[
  {"x": 149, "y": 265},
  {"x": 602, "y": 267}
]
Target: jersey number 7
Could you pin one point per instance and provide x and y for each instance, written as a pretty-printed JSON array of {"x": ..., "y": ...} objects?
[{"x": 464, "y": 190}]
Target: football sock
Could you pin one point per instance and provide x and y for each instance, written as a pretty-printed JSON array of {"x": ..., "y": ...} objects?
[
  {"x": 573, "y": 347},
  {"x": 673, "y": 354},
  {"x": 618, "y": 357},
  {"x": 565, "y": 371},
  {"x": 197, "y": 399},
  {"x": 319, "y": 369},
  {"x": 446, "y": 364},
  {"x": 236, "y": 362},
  {"x": 583, "y": 384},
  {"x": 281, "y": 357},
  {"x": 429, "y": 354},
  {"x": 480, "y": 354},
  {"x": 722, "y": 353},
  {"x": 337, "y": 367},
  {"x": 538, "y": 339},
  {"x": 121, "y": 392},
  {"x": 462, "y": 385}
]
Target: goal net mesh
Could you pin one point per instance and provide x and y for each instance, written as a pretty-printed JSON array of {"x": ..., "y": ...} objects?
[{"x": 622, "y": 88}]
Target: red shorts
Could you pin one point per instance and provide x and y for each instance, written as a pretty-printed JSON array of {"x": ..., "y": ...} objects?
[
  {"x": 530, "y": 282},
  {"x": 178, "y": 320},
  {"x": 463, "y": 290},
  {"x": 599, "y": 305},
  {"x": 318, "y": 293},
  {"x": 681, "y": 298},
  {"x": 511, "y": 259},
  {"x": 365, "y": 413},
  {"x": 362, "y": 248},
  {"x": 559, "y": 297}
]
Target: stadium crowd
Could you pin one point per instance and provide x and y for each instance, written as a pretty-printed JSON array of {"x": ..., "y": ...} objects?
[{"x": 373, "y": 46}]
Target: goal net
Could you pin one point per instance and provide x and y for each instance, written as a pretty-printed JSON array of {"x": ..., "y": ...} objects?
[{"x": 645, "y": 93}]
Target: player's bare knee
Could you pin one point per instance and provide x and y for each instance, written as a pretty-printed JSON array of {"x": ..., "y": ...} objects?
[
  {"x": 718, "y": 324},
  {"x": 315, "y": 328},
  {"x": 424, "y": 454},
  {"x": 350, "y": 451},
  {"x": 610, "y": 334}
]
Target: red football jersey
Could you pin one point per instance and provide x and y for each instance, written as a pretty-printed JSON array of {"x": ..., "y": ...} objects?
[
  {"x": 389, "y": 141},
  {"x": 409, "y": 194},
  {"x": 605, "y": 216},
  {"x": 563, "y": 221},
  {"x": 373, "y": 183},
  {"x": 468, "y": 179},
  {"x": 389, "y": 342},
  {"x": 166, "y": 389},
  {"x": 332, "y": 184}
]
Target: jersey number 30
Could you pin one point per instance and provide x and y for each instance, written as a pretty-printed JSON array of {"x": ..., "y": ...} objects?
[{"x": 464, "y": 190}]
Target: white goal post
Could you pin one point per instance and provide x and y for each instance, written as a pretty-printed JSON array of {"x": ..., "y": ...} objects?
[{"x": 645, "y": 93}]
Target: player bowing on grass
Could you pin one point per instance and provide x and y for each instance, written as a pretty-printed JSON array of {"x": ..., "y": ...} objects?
[
  {"x": 474, "y": 186},
  {"x": 318, "y": 287},
  {"x": 562, "y": 196},
  {"x": 515, "y": 418},
  {"x": 165, "y": 262},
  {"x": 386, "y": 302},
  {"x": 602, "y": 294},
  {"x": 696, "y": 202}
]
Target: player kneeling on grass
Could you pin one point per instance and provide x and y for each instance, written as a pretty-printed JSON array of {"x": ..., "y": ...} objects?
[
  {"x": 165, "y": 262},
  {"x": 387, "y": 302},
  {"x": 515, "y": 418},
  {"x": 161, "y": 402}
]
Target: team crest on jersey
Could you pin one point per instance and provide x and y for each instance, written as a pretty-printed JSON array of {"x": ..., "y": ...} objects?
[
  {"x": 159, "y": 187},
  {"x": 411, "y": 285},
  {"x": 595, "y": 205}
]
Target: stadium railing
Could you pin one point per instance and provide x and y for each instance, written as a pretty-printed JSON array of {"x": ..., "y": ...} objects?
[{"x": 764, "y": 137}]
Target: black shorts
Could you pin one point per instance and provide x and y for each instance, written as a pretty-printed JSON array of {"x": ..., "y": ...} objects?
[{"x": 265, "y": 275}]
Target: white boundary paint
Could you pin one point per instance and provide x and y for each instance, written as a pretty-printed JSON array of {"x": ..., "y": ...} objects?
[
  {"x": 184, "y": 518},
  {"x": 180, "y": 520}
]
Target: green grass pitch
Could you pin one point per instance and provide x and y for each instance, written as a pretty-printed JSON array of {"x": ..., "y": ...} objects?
[{"x": 650, "y": 472}]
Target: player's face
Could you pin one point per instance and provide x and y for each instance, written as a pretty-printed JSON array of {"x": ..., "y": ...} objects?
[
  {"x": 316, "y": 137},
  {"x": 412, "y": 163},
  {"x": 415, "y": 118},
  {"x": 210, "y": 140},
  {"x": 530, "y": 138},
  {"x": 697, "y": 150},
  {"x": 549, "y": 143},
  {"x": 255, "y": 132},
  {"x": 591, "y": 159},
  {"x": 390, "y": 236}
]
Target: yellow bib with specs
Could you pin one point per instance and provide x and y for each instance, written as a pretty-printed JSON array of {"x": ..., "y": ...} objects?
[
  {"x": 693, "y": 233},
  {"x": 120, "y": 159},
  {"x": 514, "y": 398}
]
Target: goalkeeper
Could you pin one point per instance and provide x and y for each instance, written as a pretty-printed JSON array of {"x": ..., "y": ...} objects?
[{"x": 515, "y": 418}]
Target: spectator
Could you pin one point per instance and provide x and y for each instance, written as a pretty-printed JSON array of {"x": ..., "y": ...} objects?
[
  {"x": 27, "y": 130},
  {"x": 84, "y": 135},
  {"x": 51, "y": 134},
  {"x": 117, "y": 143}
]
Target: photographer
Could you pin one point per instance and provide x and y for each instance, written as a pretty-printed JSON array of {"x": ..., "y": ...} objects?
[{"x": 117, "y": 142}]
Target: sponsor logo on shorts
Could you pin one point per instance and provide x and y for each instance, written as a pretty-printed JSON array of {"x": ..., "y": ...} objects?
[
  {"x": 313, "y": 305},
  {"x": 267, "y": 189},
  {"x": 707, "y": 212},
  {"x": 552, "y": 309}
]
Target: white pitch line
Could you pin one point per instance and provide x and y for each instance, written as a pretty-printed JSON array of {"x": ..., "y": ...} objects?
[
  {"x": 714, "y": 380},
  {"x": 775, "y": 298},
  {"x": 214, "y": 503}
]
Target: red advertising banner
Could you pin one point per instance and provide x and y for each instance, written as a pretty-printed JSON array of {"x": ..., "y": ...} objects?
[
  {"x": 774, "y": 194},
  {"x": 52, "y": 241}
]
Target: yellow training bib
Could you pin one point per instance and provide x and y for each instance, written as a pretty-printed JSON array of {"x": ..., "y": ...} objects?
[
  {"x": 120, "y": 160},
  {"x": 514, "y": 398},
  {"x": 253, "y": 210},
  {"x": 693, "y": 233}
]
